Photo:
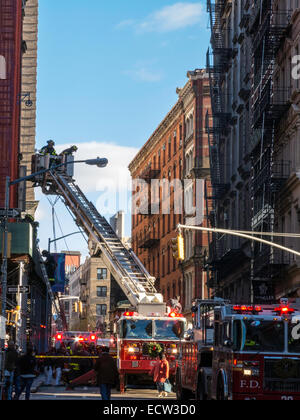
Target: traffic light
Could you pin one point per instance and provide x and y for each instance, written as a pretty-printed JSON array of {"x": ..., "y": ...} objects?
[
  {"x": 75, "y": 307},
  {"x": 178, "y": 248},
  {"x": 80, "y": 307}
]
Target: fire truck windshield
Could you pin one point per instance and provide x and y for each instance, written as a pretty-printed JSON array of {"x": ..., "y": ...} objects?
[
  {"x": 169, "y": 330},
  {"x": 258, "y": 335},
  {"x": 152, "y": 329},
  {"x": 136, "y": 328}
]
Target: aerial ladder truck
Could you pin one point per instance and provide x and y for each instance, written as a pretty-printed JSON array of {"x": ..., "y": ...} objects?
[{"x": 56, "y": 178}]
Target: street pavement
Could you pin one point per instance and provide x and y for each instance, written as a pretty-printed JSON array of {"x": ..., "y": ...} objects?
[
  {"x": 92, "y": 393},
  {"x": 40, "y": 391}
]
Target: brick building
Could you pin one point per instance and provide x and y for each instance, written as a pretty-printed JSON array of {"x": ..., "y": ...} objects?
[
  {"x": 11, "y": 14},
  {"x": 169, "y": 174}
]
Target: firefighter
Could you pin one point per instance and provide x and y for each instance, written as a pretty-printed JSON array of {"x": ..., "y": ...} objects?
[
  {"x": 49, "y": 149},
  {"x": 51, "y": 266},
  {"x": 69, "y": 151}
]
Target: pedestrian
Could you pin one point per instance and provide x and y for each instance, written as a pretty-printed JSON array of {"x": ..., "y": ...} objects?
[
  {"x": 48, "y": 367},
  {"x": 59, "y": 365},
  {"x": 160, "y": 373},
  {"x": 27, "y": 366},
  {"x": 11, "y": 357},
  {"x": 107, "y": 373}
]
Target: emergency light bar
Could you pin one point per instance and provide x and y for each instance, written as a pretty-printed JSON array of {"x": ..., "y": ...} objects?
[{"x": 247, "y": 308}]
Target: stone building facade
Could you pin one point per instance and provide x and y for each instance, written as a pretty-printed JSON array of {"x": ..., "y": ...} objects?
[{"x": 28, "y": 102}]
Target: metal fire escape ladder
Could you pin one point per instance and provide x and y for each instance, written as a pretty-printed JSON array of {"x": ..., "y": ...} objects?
[{"x": 128, "y": 271}]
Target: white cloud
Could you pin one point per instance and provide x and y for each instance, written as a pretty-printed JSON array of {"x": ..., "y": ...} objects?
[
  {"x": 125, "y": 23},
  {"x": 115, "y": 176},
  {"x": 145, "y": 74},
  {"x": 111, "y": 184},
  {"x": 171, "y": 18},
  {"x": 145, "y": 71}
]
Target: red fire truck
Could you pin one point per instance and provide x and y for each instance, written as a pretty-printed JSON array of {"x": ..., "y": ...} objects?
[
  {"x": 141, "y": 338},
  {"x": 241, "y": 352}
]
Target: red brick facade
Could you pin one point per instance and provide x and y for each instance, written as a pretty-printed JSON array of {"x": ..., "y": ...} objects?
[
  {"x": 177, "y": 150},
  {"x": 10, "y": 93}
]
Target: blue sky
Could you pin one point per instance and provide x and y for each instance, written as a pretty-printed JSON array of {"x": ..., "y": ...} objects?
[{"x": 107, "y": 76}]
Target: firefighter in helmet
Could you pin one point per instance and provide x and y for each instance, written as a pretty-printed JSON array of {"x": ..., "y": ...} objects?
[
  {"x": 69, "y": 151},
  {"x": 51, "y": 266},
  {"x": 49, "y": 149}
]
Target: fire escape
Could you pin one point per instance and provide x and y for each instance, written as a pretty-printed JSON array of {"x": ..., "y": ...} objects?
[
  {"x": 270, "y": 102},
  {"x": 217, "y": 65},
  {"x": 150, "y": 238}
]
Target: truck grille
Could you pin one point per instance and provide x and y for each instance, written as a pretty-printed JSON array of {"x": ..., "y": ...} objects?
[{"x": 282, "y": 375}]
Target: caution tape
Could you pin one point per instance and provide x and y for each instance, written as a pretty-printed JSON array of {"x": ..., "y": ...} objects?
[{"x": 69, "y": 357}]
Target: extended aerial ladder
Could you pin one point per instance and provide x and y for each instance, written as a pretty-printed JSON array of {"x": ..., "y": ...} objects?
[{"x": 132, "y": 277}]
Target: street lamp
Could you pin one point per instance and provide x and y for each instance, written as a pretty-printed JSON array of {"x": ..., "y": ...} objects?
[
  {"x": 99, "y": 162},
  {"x": 51, "y": 241}
]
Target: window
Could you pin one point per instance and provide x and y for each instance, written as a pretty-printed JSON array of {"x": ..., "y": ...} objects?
[
  {"x": 175, "y": 142},
  {"x": 101, "y": 309},
  {"x": 101, "y": 273},
  {"x": 101, "y": 291}
]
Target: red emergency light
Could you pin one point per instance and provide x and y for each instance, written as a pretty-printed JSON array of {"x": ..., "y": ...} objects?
[
  {"x": 284, "y": 310},
  {"x": 247, "y": 308},
  {"x": 129, "y": 313},
  {"x": 93, "y": 337},
  {"x": 175, "y": 315},
  {"x": 59, "y": 337}
]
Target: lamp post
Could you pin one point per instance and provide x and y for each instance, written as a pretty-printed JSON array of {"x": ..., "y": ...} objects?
[
  {"x": 51, "y": 241},
  {"x": 99, "y": 162}
]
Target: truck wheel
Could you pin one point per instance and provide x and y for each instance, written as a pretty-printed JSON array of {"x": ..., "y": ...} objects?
[
  {"x": 181, "y": 393},
  {"x": 200, "y": 392},
  {"x": 220, "y": 390}
]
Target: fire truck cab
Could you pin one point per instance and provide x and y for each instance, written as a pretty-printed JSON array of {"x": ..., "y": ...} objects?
[
  {"x": 140, "y": 338},
  {"x": 255, "y": 353}
]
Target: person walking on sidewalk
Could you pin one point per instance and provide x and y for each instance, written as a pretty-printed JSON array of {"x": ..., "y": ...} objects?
[
  {"x": 107, "y": 373},
  {"x": 160, "y": 373},
  {"x": 11, "y": 357},
  {"x": 27, "y": 366}
]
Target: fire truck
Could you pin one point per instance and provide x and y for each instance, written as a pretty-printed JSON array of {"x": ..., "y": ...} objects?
[
  {"x": 142, "y": 337},
  {"x": 71, "y": 338},
  {"x": 56, "y": 177},
  {"x": 241, "y": 352}
]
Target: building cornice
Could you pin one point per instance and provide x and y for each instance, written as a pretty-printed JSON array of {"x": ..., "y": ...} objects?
[{"x": 186, "y": 96}]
